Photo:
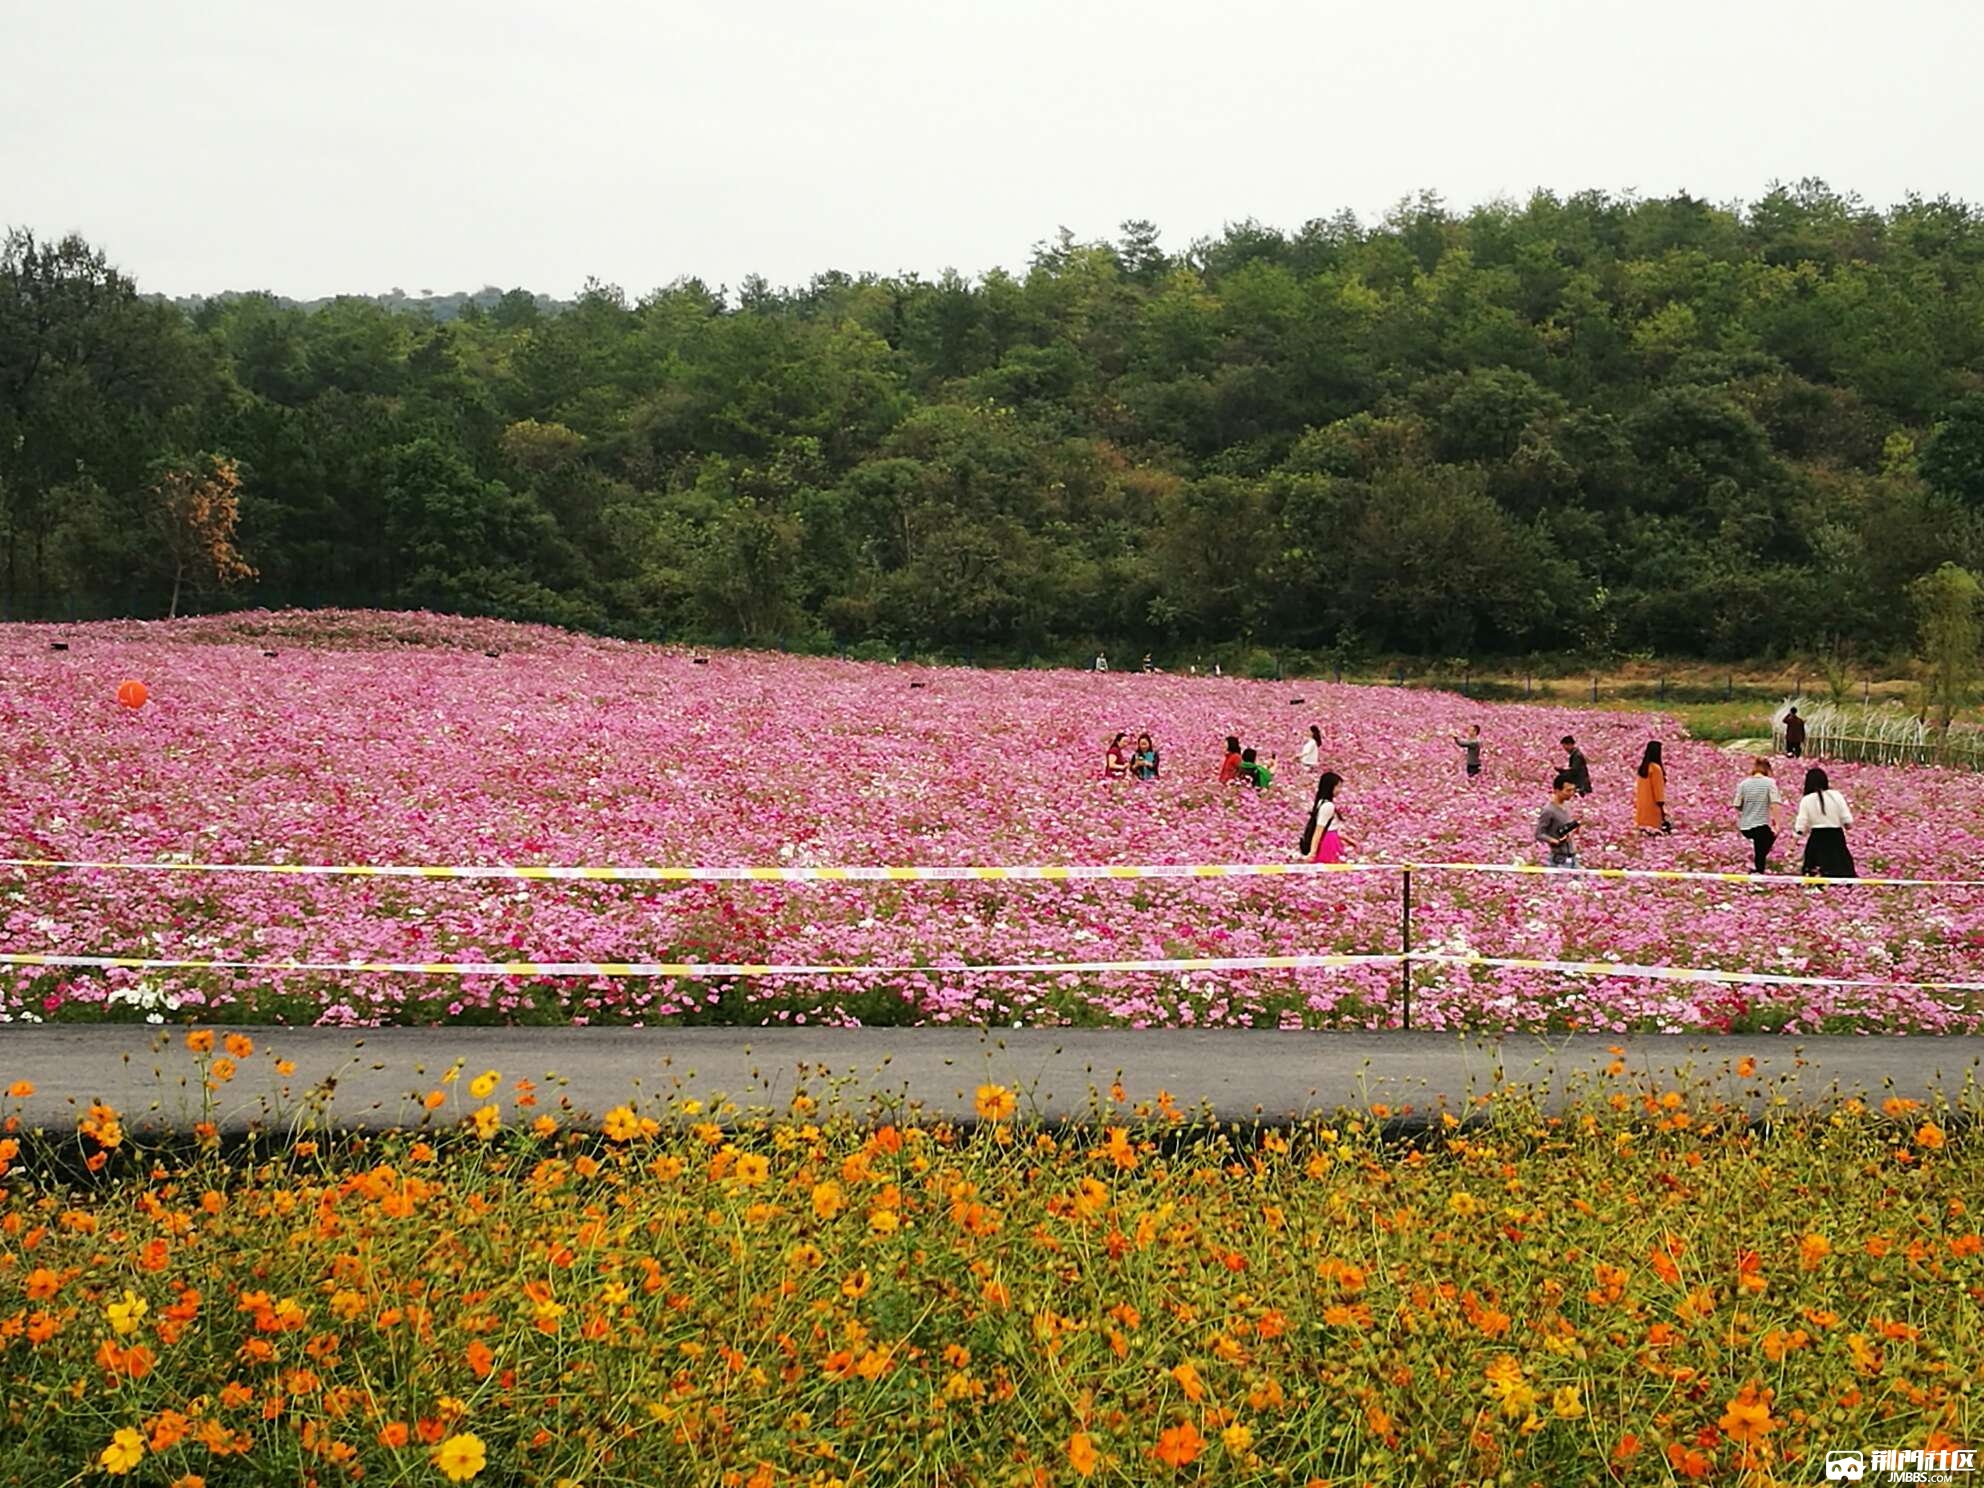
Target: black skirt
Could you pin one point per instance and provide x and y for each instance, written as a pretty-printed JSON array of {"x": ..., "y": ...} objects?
[{"x": 1826, "y": 855}]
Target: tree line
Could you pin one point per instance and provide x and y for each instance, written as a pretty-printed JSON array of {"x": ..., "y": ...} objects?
[{"x": 1591, "y": 423}]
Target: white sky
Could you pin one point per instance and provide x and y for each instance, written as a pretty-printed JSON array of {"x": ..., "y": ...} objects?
[{"x": 312, "y": 147}]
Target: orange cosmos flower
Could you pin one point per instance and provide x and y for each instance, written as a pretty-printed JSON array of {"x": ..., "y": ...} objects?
[
  {"x": 21, "y": 1089},
  {"x": 1747, "y": 1418},
  {"x": 995, "y": 1103},
  {"x": 239, "y": 1045},
  {"x": 1179, "y": 1446},
  {"x": 1930, "y": 1135},
  {"x": 1082, "y": 1455}
]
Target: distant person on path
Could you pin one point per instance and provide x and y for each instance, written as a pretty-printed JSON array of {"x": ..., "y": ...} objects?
[
  {"x": 1555, "y": 824},
  {"x": 1321, "y": 840},
  {"x": 1144, "y": 762},
  {"x": 1312, "y": 749},
  {"x": 1116, "y": 759},
  {"x": 1253, "y": 770},
  {"x": 1650, "y": 793},
  {"x": 1101, "y": 663},
  {"x": 1229, "y": 768},
  {"x": 1757, "y": 800},
  {"x": 1149, "y": 665},
  {"x": 1823, "y": 817},
  {"x": 1794, "y": 735},
  {"x": 1576, "y": 768},
  {"x": 1470, "y": 742}
]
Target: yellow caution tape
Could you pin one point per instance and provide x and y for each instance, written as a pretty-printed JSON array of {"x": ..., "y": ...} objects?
[{"x": 1052, "y": 873}]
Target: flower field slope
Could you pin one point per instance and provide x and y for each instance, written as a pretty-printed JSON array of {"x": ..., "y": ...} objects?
[
  {"x": 1646, "y": 1289},
  {"x": 403, "y": 739}
]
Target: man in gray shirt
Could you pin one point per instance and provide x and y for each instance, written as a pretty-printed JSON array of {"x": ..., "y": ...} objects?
[
  {"x": 1756, "y": 803},
  {"x": 1554, "y": 825}
]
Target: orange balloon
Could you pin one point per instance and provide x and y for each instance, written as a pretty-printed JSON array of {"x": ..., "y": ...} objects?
[{"x": 132, "y": 694}]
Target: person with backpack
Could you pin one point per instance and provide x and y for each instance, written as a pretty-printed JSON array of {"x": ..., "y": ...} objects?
[
  {"x": 1823, "y": 817},
  {"x": 1321, "y": 840},
  {"x": 1794, "y": 735}
]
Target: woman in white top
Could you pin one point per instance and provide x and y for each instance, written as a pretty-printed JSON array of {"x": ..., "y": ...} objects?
[
  {"x": 1312, "y": 749},
  {"x": 1322, "y": 842},
  {"x": 1823, "y": 817}
]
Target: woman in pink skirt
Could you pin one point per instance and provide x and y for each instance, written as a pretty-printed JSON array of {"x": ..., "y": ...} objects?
[{"x": 1322, "y": 842}]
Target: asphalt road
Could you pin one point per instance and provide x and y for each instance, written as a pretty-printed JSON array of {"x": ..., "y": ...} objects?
[{"x": 376, "y": 1078}]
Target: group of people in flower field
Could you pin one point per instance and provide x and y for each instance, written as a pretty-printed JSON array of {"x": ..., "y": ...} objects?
[{"x": 1822, "y": 817}]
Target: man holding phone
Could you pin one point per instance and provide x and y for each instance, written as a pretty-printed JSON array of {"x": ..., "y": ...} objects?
[{"x": 1555, "y": 825}]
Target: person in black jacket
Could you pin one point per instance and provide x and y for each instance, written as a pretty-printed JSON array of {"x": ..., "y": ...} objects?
[{"x": 1576, "y": 768}]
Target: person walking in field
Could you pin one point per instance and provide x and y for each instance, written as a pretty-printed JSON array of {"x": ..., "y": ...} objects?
[
  {"x": 1253, "y": 771},
  {"x": 1757, "y": 800},
  {"x": 1555, "y": 826},
  {"x": 1470, "y": 744},
  {"x": 1229, "y": 767},
  {"x": 1650, "y": 793},
  {"x": 1823, "y": 817},
  {"x": 1576, "y": 768},
  {"x": 1321, "y": 840},
  {"x": 1794, "y": 735},
  {"x": 1311, "y": 756}
]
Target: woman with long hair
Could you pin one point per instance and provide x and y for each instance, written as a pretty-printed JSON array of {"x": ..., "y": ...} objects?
[
  {"x": 1823, "y": 817},
  {"x": 1321, "y": 840},
  {"x": 1116, "y": 759},
  {"x": 1229, "y": 767},
  {"x": 1312, "y": 749},
  {"x": 1650, "y": 792},
  {"x": 1144, "y": 762}
]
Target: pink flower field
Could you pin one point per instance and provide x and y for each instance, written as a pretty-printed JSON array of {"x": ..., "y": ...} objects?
[{"x": 397, "y": 739}]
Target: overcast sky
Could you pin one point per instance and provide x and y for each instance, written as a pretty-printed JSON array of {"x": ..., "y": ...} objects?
[{"x": 313, "y": 148}]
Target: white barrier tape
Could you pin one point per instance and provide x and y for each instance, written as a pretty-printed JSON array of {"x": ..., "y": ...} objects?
[
  {"x": 697, "y": 969},
  {"x": 687, "y": 968},
  {"x": 1050, "y": 873},
  {"x": 1679, "y": 973}
]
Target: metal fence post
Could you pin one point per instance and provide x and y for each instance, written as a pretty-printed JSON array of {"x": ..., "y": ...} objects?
[{"x": 1405, "y": 941}]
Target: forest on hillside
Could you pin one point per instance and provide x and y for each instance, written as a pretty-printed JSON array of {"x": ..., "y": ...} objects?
[{"x": 1597, "y": 425}]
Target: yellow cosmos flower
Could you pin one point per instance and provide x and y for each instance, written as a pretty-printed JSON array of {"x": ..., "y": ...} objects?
[
  {"x": 461, "y": 1457},
  {"x": 126, "y": 1451},
  {"x": 753, "y": 1168},
  {"x": 488, "y": 1121},
  {"x": 126, "y": 1314},
  {"x": 484, "y": 1085}
]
